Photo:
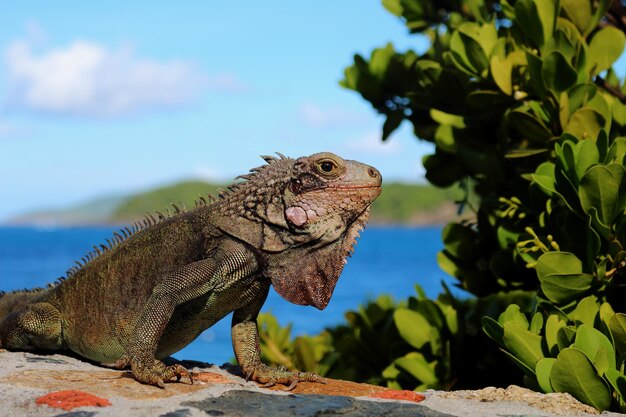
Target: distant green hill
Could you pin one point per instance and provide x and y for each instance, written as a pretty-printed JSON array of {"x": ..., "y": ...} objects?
[
  {"x": 398, "y": 204},
  {"x": 161, "y": 198},
  {"x": 414, "y": 203}
]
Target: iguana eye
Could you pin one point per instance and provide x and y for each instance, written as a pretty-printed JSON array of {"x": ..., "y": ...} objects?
[{"x": 326, "y": 166}]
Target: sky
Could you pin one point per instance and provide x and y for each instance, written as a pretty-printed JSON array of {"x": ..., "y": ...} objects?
[{"x": 109, "y": 98}]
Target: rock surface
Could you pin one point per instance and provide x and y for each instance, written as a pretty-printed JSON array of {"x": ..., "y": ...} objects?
[{"x": 62, "y": 386}]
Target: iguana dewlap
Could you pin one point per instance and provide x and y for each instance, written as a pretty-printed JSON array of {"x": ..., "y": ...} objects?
[{"x": 290, "y": 224}]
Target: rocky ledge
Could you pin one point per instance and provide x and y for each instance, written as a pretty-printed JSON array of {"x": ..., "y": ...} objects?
[{"x": 62, "y": 386}]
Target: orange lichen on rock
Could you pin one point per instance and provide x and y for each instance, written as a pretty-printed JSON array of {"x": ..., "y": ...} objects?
[
  {"x": 70, "y": 399},
  {"x": 400, "y": 395},
  {"x": 211, "y": 378}
]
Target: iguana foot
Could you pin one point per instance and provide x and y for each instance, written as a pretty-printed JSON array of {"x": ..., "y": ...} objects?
[
  {"x": 269, "y": 377},
  {"x": 153, "y": 371}
]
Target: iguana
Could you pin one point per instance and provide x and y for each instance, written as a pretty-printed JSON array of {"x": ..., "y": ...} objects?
[{"x": 152, "y": 290}]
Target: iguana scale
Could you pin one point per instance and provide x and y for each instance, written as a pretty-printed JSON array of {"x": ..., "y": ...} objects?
[{"x": 154, "y": 289}]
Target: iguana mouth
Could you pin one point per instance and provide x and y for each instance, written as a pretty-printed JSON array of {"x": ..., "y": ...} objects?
[{"x": 358, "y": 187}]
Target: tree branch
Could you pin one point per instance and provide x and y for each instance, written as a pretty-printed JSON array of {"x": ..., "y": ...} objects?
[{"x": 614, "y": 91}]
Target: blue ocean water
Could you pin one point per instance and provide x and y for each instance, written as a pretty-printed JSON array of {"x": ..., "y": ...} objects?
[{"x": 388, "y": 260}]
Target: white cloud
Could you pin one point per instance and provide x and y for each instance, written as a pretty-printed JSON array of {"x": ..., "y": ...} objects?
[
  {"x": 315, "y": 116},
  {"x": 85, "y": 78},
  {"x": 371, "y": 143}
]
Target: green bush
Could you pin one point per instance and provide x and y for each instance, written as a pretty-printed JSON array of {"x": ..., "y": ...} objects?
[
  {"x": 415, "y": 344},
  {"x": 528, "y": 117}
]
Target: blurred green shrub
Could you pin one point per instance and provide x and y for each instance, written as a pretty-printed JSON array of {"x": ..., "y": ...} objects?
[
  {"x": 528, "y": 117},
  {"x": 416, "y": 344}
]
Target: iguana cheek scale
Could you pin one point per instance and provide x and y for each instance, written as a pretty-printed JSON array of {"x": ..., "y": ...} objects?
[{"x": 156, "y": 286}]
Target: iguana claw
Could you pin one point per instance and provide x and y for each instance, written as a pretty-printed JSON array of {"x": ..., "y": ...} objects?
[{"x": 152, "y": 371}]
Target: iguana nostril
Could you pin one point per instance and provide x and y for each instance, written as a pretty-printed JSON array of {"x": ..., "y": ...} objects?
[{"x": 372, "y": 172}]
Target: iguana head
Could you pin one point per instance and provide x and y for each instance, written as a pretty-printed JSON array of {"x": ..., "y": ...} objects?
[
  {"x": 326, "y": 194},
  {"x": 304, "y": 214}
]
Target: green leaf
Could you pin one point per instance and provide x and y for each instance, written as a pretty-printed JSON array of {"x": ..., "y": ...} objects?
[
  {"x": 536, "y": 19},
  {"x": 466, "y": 52},
  {"x": 535, "y": 64},
  {"x": 601, "y": 9},
  {"x": 380, "y": 60},
  {"x": 459, "y": 240},
  {"x": 451, "y": 316},
  {"x": 599, "y": 189},
  {"x": 304, "y": 350},
  {"x": 574, "y": 373},
  {"x": 544, "y": 177},
  {"x": 444, "y": 138},
  {"x": 501, "y": 69},
  {"x": 392, "y": 122},
  {"x": 493, "y": 329},
  {"x": 391, "y": 372},
  {"x": 562, "y": 288},
  {"x": 618, "y": 381},
  {"x": 596, "y": 346},
  {"x": 431, "y": 312},
  {"x": 543, "y": 370},
  {"x": 529, "y": 126},
  {"x": 606, "y": 311},
  {"x": 512, "y": 314},
  {"x": 578, "y": 11},
  {"x": 605, "y": 48},
  {"x": 579, "y": 95},
  {"x": 557, "y": 73},
  {"x": 484, "y": 35},
  {"x": 553, "y": 324},
  {"x": 586, "y": 311},
  {"x": 447, "y": 264},
  {"x": 536, "y": 324},
  {"x": 561, "y": 277},
  {"x": 602, "y": 143},
  {"x": 586, "y": 153},
  {"x": 413, "y": 327},
  {"x": 585, "y": 124},
  {"x": 487, "y": 100},
  {"x": 566, "y": 158},
  {"x": 596, "y": 223},
  {"x": 565, "y": 337},
  {"x": 617, "y": 150},
  {"x": 558, "y": 262},
  {"x": 618, "y": 111},
  {"x": 523, "y": 344},
  {"x": 617, "y": 325},
  {"x": 600, "y": 105},
  {"x": 415, "y": 364}
]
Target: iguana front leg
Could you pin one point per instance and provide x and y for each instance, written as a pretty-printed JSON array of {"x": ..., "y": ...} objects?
[
  {"x": 231, "y": 263},
  {"x": 142, "y": 347},
  {"x": 245, "y": 335}
]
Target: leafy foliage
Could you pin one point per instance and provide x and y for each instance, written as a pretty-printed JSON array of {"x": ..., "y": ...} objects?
[
  {"x": 415, "y": 344},
  {"x": 527, "y": 115}
]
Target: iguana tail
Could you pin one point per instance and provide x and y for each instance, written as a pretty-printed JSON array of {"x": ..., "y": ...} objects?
[{"x": 17, "y": 300}]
